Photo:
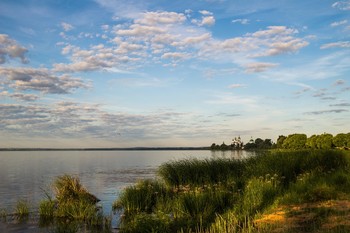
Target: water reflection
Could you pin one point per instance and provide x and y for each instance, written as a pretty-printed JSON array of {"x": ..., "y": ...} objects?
[{"x": 232, "y": 154}]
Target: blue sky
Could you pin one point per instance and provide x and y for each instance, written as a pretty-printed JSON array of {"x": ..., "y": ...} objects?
[{"x": 112, "y": 73}]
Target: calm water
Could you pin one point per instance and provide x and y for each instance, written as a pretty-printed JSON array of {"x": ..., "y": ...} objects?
[{"x": 28, "y": 174}]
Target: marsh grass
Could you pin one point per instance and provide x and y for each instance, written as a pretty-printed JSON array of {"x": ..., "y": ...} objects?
[
  {"x": 72, "y": 204},
  {"x": 3, "y": 214},
  {"x": 197, "y": 172},
  {"x": 141, "y": 197},
  {"x": 22, "y": 210},
  {"x": 227, "y": 195}
]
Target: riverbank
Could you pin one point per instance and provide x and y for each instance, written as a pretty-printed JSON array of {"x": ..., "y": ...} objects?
[
  {"x": 282, "y": 191},
  {"x": 277, "y": 191}
]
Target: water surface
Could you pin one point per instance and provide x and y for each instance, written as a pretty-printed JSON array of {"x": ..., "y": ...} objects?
[{"x": 27, "y": 175}]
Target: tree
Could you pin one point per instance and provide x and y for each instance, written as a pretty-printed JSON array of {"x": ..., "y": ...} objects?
[
  {"x": 259, "y": 143},
  {"x": 311, "y": 142},
  {"x": 267, "y": 143},
  {"x": 223, "y": 146},
  {"x": 324, "y": 141},
  {"x": 280, "y": 141},
  {"x": 340, "y": 140},
  {"x": 295, "y": 141}
]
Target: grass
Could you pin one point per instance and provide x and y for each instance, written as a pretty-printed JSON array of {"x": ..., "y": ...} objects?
[
  {"x": 227, "y": 195},
  {"x": 3, "y": 214},
  {"x": 72, "y": 204},
  {"x": 22, "y": 209}
]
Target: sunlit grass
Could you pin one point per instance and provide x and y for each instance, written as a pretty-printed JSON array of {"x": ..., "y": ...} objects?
[
  {"x": 22, "y": 209},
  {"x": 227, "y": 195},
  {"x": 3, "y": 214},
  {"x": 72, "y": 204}
]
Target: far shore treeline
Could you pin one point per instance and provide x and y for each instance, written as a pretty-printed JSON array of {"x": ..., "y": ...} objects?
[{"x": 292, "y": 141}]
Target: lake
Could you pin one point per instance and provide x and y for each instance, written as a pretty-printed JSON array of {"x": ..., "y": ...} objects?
[{"x": 27, "y": 175}]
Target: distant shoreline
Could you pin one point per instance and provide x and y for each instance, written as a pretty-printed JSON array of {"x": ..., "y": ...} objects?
[{"x": 105, "y": 149}]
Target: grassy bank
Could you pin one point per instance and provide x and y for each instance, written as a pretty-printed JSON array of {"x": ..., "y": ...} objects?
[{"x": 282, "y": 191}]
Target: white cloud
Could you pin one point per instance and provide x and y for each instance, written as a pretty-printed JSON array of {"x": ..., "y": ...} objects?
[
  {"x": 339, "y": 44},
  {"x": 205, "y": 12},
  {"x": 241, "y": 21},
  {"x": 82, "y": 120},
  {"x": 174, "y": 55},
  {"x": 160, "y": 35},
  {"x": 258, "y": 67},
  {"x": 205, "y": 21},
  {"x": 9, "y": 48},
  {"x": 140, "y": 30},
  {"x": 160, "y": 17},
  {"x": 66, "y": 26},
  {"x": 105, "y": 27},
  {"x": 335, "y": 24},
  {"x": 24, "y": 97},
  {"x": 41, "y": 80},
  {"x": 339, "y": 82},
  {"x": 342, "y": 5},
  {"x": 208, "y": 21},
  {"x": 272, "y": 31},
  {"x": 237, "y": 85}
]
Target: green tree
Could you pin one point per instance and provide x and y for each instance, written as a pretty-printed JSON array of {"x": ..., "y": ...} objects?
[
  {"x": 340, "y": 140},
  {"x": 295, "y": 141},
  {"x": 324, "y": 141},
  {"x": 280, "y": 141},
  {"x": 259, "y": 143},
  {"x": 267, "y": 143},
  {"x": 311, "y": 142},
  {"x": 223, "y": 146}
]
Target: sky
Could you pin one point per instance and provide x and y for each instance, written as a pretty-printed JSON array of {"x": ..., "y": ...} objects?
[{"x": 113, "y": 73}]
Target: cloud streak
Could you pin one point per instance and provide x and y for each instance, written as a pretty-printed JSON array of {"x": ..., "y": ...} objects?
[
  {"x": 326, "y": 111},
  {"x": 41, "y": 80}
]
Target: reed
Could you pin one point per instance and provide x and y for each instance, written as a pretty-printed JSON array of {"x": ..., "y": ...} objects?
[
  {"x": 72, "y": 203},
  {"x": 200, "y": 172},
  {"x": 22, "y": 209},
  {"x": 3, "y": 214},
  {"x": 227, "y": 195},
  {"x": 141, "y": 197},
  {"x": 47, "y": 208},
  {"x": 69, "y": 188}
]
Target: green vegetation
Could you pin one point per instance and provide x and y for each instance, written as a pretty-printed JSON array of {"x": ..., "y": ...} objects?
[
  {"x": 22, "y": 209},
  {"x": 324, "y": 141},
  {"x": 73, "y": 204},
  {"x": 295, "y": 141},
  {"x": 3, "y": 214},
  {"x": 227, "y": 195}
]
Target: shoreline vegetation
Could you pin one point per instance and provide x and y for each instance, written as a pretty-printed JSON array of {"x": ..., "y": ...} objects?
[
  {"x": 300, "y": 185},
  {"x": 276, "y": 191},
  {"x": 292, "y": 141}
]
